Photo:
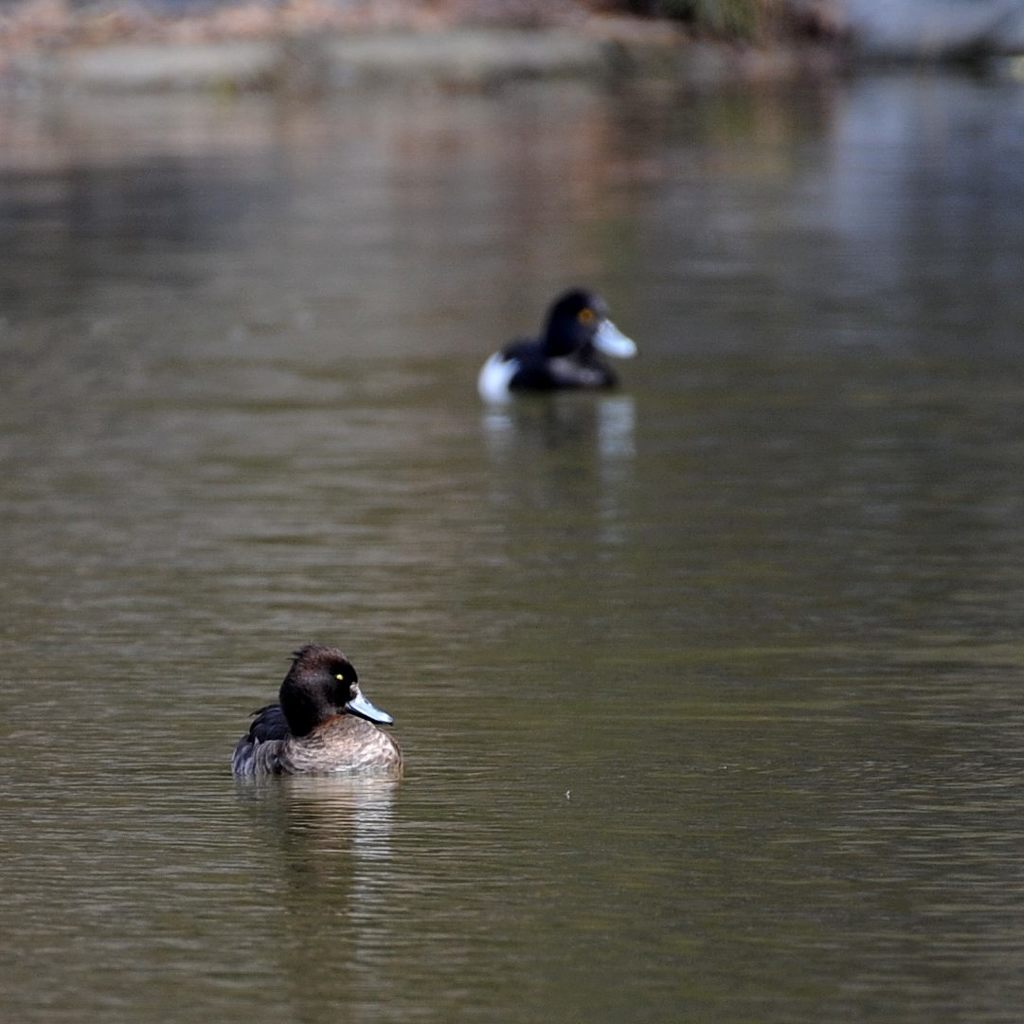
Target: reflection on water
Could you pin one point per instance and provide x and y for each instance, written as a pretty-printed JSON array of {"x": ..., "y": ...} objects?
[
  {"x": 758, "y": 612},
  {"x": 564, "y": 455},
  {"x": 332, "y": 815},
  {"x": 329, "y": 845},
  {"x": 605, "y": 423}
]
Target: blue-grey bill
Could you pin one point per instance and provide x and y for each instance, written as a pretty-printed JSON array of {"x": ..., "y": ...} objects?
[
  {"x": 612, "y": 342},
  {"x": 360, "y": 706}
]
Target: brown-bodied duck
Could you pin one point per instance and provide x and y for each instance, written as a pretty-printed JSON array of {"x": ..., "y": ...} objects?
[
  {"x": 322, "y": 725},
  {"x": 567, "y": 356}
]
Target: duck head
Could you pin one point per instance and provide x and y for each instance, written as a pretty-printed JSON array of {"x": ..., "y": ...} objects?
[
  {"x": 322, "y": 683},
  {"x": 578, "y": 320}
]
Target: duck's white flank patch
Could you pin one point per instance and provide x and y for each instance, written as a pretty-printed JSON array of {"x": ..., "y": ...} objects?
[{"x": 495, "y": 377}]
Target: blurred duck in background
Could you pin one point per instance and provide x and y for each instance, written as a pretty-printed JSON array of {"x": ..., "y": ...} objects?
[{"x": 567, "y": 356}]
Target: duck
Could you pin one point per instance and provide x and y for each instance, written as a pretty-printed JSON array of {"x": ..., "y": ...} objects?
[
  {"x": 566, "y": 356},
  {"x": 322, "y": 724}
]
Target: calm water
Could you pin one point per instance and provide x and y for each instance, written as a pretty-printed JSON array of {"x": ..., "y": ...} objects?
[{"x": 710, "y": 690}]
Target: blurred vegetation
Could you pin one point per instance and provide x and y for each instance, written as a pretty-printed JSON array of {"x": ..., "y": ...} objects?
[{"x": 742, "y": 18}]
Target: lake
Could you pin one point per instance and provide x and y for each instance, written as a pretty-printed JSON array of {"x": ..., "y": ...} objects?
[{"x": 709, "y": 688}]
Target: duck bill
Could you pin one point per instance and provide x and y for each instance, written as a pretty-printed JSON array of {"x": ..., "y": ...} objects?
[
  {"x": 363, "y": 708},
  {"x": 612, "y": 342}
]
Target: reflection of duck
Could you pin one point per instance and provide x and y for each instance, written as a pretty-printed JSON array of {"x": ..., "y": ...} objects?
[
  {"x": 321, "y": 846},
  {"x": 605, "y": 425},
  {"x": 571, "y": 452},
  {"x": 343, "y": 812},
  {"x": 567, "y": 356},
  {"x": 322, "y": 724}
]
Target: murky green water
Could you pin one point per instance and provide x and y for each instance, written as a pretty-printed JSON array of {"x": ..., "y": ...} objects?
[{"x": 710, "y": 691}]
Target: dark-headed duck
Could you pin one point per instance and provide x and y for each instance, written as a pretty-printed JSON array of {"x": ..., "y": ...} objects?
[
  {"x": 323, "y": 724},
  {"x": 566, "y": 356}
]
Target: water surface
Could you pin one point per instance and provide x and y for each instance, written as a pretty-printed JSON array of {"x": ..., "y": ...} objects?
[{"x": 709, "y": 689}]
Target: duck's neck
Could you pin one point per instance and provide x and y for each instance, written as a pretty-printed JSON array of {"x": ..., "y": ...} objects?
[{"x": 304, "y": 709}]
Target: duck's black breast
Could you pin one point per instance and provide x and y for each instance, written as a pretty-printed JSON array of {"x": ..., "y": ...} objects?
[
  {"x": 537, "y": 371},
  {"x": 532, "y": 372}
]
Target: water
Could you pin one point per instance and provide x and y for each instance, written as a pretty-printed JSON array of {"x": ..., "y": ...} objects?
[{"x": 709, "y": 690}]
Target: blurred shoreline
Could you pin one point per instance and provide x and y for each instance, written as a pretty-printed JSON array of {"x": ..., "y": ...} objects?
[
  {"x": 312, "y": 47},
  {"x": 308, "y": 47}
]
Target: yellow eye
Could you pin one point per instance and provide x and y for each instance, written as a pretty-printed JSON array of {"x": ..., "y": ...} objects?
[
  {"x": 585, "y": 316},
  {"x": 340, "y": 676}
]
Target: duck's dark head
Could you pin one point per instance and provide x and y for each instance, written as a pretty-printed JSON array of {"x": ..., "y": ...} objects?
[
  {"x": 579, "y": 319},
  {"x": 322, "y": 683}
]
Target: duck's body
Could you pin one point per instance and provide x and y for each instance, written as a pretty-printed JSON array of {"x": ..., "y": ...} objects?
[
  {"x": 323, "y": 725},
  {"x": 525, "y": 366},
  {"x": 341, "y": 744},
  {"x": 566, "y": 357}
]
